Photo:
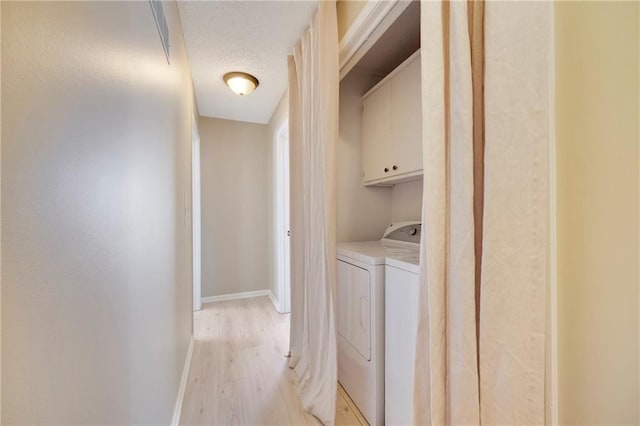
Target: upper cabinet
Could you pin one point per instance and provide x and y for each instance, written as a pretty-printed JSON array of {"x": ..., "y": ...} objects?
[
  {"x": 376, "y": 133},
  {"x": 392, "y": 126}
]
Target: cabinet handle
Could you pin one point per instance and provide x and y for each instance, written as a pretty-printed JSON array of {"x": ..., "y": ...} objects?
[
  {"x": 386, "y": 170},
  {"x": 395, "y": 167}
]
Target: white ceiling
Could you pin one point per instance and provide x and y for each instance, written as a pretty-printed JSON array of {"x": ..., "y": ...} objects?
[{"x": 249, "y": 36}]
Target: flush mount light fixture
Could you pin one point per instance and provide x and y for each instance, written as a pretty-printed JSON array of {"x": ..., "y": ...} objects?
[{"x": 241, "y": 82}]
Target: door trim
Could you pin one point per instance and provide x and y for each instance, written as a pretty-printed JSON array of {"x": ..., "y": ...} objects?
[{"x": 196, "y": 215}]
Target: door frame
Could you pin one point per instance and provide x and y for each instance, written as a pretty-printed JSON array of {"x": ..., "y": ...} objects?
[{"x": 283, "y": 247}]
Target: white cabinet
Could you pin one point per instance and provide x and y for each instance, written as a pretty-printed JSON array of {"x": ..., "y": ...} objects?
[
  {"x": 401, "y": 329},
  {"x": 376, "y": 133},
  {"x": 392, "y": 126},
  {"x": 406, "y": 118}
]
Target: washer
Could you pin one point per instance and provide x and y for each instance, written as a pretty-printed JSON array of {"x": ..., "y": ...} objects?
[
  {"x": 401, "y": 329},
  {"x": 361, "y": 315}
]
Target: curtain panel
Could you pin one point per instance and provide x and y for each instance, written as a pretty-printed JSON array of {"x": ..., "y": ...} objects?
[
  {"x": 480, "y": 353},
  {"x": 313, "y": 127}
]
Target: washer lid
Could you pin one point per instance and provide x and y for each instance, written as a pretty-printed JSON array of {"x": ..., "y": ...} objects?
[{"x": 409, "y": 263}]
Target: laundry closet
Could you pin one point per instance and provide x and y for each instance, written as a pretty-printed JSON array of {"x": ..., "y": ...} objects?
[
  {"x": 379, "y": 176},
  {"x": 380, "y": 128}
]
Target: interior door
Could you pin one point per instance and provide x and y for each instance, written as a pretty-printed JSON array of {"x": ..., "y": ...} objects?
[
  {"x": 283, "y": 247},
  {"x": 354, "y": 306}
]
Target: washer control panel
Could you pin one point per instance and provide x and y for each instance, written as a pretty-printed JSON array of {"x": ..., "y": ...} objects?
[{"x": 408, "y": 232}]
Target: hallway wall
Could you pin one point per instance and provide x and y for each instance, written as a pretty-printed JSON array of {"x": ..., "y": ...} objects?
[
  {"x": 234, "y": 164},
  {"x": 96, "y": 232},
  {"x": 597, "y": 115}
]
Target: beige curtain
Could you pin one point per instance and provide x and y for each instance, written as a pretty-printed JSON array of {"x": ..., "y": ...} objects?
[
  {"x": 516, "y": 212},
  {"x": 446, "y": 353},
  {"x": 481, "y": 332},
  {"x": 313, "y": 127}
]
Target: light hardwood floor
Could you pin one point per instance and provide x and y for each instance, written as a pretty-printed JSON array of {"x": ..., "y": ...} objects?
[{"x": 239, "y": 373}]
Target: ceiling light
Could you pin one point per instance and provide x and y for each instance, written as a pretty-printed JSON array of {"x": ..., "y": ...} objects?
[{"x": 241, "y": 82}]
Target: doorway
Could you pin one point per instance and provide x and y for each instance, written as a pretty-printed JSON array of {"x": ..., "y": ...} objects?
[
  {"x": 195, "y": 206},
  {"x": 283, "y": 264}
]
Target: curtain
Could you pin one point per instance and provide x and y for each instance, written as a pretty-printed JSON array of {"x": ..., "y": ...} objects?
[
  {"x": 480, "y": 352},
  {"x": 313, "y": 127},
  {"x": 516, "y": 213}
]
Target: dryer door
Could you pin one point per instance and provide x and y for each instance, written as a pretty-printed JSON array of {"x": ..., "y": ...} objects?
[{"x": 354, "y": 306}]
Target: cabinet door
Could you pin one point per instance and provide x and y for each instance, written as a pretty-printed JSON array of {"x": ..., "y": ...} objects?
[
  {"x": 376, "y": 134},
  {"x": 406, "y": 118}
]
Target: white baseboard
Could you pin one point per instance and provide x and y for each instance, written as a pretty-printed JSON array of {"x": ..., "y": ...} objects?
[
  {"x": 234, "y": 296},
  {"x": 275, "y": 302},
  {"x": 183, "y": 384}
]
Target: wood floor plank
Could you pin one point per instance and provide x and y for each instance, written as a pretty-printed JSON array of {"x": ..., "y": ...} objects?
[{"x": 239, "y": 373}]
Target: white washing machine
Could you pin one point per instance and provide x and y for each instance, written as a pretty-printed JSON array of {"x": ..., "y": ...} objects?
[
  {"x": 401, "y": 329},
  {"x": 361, "y": 313}
]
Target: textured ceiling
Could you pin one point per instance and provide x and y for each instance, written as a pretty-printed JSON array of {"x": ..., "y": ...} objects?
[{"x": 249, "y": 36}]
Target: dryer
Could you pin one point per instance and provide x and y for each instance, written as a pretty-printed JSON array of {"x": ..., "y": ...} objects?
[{"x": 360, "y": 308}]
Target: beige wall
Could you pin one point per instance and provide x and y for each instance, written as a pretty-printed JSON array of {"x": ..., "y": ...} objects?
[
  {"x": 234, "y": 167},
  {"x": 406, "y": 201},
  {"x": 348, "y": 11},
  {"x": 363, "y": 212},
  {"x": 598, "y": 246},
  {"x": 96, "y": 296},
  {"x": 0, "y": 217},
  {"x": 278, "y": 119}
]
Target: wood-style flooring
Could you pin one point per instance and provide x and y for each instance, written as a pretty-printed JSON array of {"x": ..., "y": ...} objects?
[{"x": 239, "y": 373}]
